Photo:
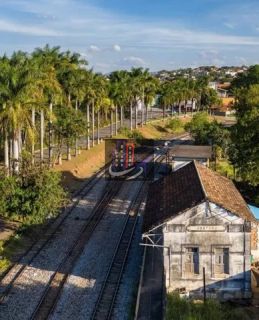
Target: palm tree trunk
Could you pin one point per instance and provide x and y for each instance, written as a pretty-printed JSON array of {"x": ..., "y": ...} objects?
[
  {"x": 88, "y": 125},
  {"x": 20, "y": 141},
  {"x": 16, "y": 152},
  {"x": 11, "y": 150},
  {"x": 111, "y": 126},
  {"x": 136, "y": 116},
  {"x": 98, "y": 127},
  {"x": 33, "y": 137},
  {"x": 163, "y": 112},
  {"x": 68, "y": 151},
  {"x": 50, "y": 134},
  {"x": 116, "y": 120},
  {"x": 6, "y": 154},
  {"x": 59, "y": 149},
  {"x": 121, "y": 114},
  {"x": 146, "y": 114},
  {"x": 76, "y": 140},
  {"x": 131, "y": 120},
  {"x": 142, "y": 114},
  {"x": 41, "y": 135},
  {"x": 93, "y": 124}
]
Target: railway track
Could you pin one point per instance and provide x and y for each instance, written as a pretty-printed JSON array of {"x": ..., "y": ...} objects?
[
  {"x": 107, "y": 297},
  {"x": 35, "y": 249},
  {"x": 55, "y": 285},
  {"x": 52, "y": 292}
]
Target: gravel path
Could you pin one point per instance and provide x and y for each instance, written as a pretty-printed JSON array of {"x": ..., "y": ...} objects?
[
  {"x": 83, "y": 286},
  {"x": 29, "y": 286}
]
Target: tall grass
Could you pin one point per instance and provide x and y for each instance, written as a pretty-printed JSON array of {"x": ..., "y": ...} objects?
[{"x": 183, "y": 309}]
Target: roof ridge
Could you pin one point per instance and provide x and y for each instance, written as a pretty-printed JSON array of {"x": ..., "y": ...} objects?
[{"x": 199, "y": 176}]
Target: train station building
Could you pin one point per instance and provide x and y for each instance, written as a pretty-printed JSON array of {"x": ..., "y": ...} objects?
[{"x": 203, "y": 228}]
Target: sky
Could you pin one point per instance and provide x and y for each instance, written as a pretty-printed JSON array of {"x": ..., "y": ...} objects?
[
  {"x": 255, "y": 211},
  {"x": 120, "y": 34}
]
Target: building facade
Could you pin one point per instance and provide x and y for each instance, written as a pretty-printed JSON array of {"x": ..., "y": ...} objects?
[{"x": 204, "y": 227}]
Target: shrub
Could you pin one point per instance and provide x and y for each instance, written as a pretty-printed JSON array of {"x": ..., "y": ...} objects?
[
  {"x": 175, "y": 125},
  {"x": 135, "y": 134},
  {"x": 32, "y": 196}
]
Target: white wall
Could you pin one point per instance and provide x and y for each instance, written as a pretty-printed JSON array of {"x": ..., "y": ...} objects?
[{"x": 237, "y": 242}]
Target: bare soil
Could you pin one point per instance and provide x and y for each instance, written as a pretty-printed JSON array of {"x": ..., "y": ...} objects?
[{"x": 78, "y": 169}]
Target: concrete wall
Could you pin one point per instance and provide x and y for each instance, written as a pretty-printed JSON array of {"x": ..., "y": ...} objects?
[{"x": 235, "y": 284}]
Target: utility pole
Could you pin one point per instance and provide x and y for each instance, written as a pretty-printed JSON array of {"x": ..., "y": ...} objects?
[{"x": 204, "y": 286}]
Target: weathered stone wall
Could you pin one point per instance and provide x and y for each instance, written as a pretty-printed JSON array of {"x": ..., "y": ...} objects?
[{"x": 228, "y": 232}]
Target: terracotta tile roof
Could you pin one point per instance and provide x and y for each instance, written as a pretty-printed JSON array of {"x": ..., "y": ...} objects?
[
  {"x": 223, "y": 192},
  {"x": 172, "y": 194},
  {"x": 185, "y": 189}
]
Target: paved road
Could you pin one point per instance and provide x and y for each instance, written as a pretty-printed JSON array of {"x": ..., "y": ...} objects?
[{"x": 104, "y": 133}]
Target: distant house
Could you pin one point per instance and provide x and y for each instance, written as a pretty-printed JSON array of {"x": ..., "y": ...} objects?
[
  {"x": 221, "y": 88},
  {"x": 226, "y": 108},
  {"x": 180, "y": 155},
  {"x": 201, "y": 221}
]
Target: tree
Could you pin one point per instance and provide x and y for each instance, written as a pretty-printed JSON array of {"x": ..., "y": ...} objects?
[
  {"x": 33, "y": 196},
  {"x": 69, "y": 125},
  {"x": 246, "y": 79},
  {"x": 244, "y": 153},
  {"x": 205, "y": 132},
  {"x": 209, "y": 98},
  {"x": 119, "y": 92},
  {"x": 16, "y": 96},
  {"x": 47, "y": 62}
]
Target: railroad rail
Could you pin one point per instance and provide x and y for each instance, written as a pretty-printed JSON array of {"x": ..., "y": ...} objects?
[
  {"x": 55, "y": 285},
  {"x": 35, "y": 249},
  {"x": 52, "y": 291},
  {"x": 107, "y": 297}
]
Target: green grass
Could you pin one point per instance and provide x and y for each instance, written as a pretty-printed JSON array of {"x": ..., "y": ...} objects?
[{"x": 182, "y": 309}]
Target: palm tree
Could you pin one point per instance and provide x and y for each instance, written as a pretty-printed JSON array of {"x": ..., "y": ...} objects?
[
  {"x": 151, "y": 89},
  {"x": 47, "y": 62},
  {"x": 120, "y": 92},
  {"x": 78, "y": 93},
  {"x": 89, "y": 96},
  {"x": 16, "y": 92}
]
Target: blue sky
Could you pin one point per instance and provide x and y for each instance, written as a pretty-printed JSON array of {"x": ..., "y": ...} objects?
[
  {"x": 255, "y": 211},
  {"x": 157, "y": 34}
]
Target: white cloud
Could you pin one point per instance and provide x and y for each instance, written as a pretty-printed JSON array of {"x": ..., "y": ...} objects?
[
  {"x": 209, "y": 54},
  {"x": 9, "y": 26},
  {"x": 134, "y": 61},
  {"x": 229, "y": 25},
  {"x": 94, "y": 48},
  {"x": 78, "y": 25},
  {"x": 116, "y": 47}
]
